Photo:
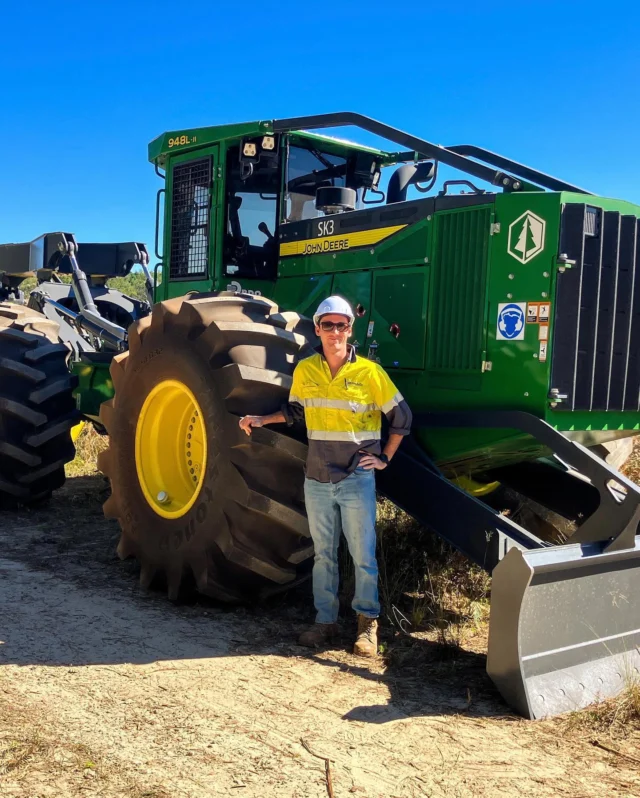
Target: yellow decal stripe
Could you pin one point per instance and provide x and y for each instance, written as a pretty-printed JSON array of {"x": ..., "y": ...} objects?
[{"x": 314, "y": 246}]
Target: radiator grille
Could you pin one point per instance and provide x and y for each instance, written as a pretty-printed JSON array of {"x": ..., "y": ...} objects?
[
  {"x": 459, "y": 278},
  {"x": 191, "y": 203},
  {"x": 596, "y": 340}
]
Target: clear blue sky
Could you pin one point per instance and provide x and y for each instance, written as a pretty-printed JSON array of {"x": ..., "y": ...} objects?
[{"x": 85, "y": 86}]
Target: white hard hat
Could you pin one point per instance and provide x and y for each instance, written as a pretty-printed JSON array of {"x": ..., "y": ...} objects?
[{"x": 333, "y": 304}]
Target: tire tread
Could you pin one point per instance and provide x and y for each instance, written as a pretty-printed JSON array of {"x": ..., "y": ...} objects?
[
  {"x": 35, "y": 394},
  {"x": 264, "y": 546}
]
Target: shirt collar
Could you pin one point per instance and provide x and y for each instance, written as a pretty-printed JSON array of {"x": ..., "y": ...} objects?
[{"x": 351, "y": 353}]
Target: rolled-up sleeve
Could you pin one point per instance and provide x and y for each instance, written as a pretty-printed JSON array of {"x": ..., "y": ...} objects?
[
  {"x": 392, "y": 404},
  {"x": 399, "y": 418},
  {"x": 293, "y": 410},
  {"x": 293, "y": 413}
]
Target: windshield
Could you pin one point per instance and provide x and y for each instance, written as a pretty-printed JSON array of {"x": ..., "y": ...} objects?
[{"x": 306, "y": 170}]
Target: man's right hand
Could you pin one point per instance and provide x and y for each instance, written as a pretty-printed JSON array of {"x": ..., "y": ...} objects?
[{"x": 246, "y": 422}]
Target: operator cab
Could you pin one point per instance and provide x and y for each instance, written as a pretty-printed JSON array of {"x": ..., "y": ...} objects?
[
  {"x": 317, "y": 181},
  {"x": 240, "y": 197}
]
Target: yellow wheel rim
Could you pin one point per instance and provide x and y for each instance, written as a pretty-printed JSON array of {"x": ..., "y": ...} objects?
[
  {"x": 171, "y": 449},
  {"x": 75, "y": 431}
]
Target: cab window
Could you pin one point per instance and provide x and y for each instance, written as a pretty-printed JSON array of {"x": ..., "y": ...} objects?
[
  {"x": 250, "y": 246},
  {"x": 307, "y": 169}
]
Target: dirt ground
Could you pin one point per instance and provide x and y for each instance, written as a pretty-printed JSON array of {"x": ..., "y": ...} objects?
[{"x": 109, "y": 691}]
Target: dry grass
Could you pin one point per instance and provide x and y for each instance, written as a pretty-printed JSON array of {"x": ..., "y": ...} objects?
[
  {"x": 427, "y": 588},
  {"x": 631, "y": 468},
  {"x": 616, "y": 718},
  {"x": 31, "y": 758},
  {"x": 433, "y": 585},
  {"x": 88, "y": 447},
  {"x": 20, "y": 753},
  {"x": 28, "y": 750}
]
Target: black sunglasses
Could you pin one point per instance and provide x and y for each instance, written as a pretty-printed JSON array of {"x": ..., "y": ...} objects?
[{"x": 330, "y": 326}]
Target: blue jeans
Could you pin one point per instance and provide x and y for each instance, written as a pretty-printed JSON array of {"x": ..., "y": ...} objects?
[{"x": 348, "y": 506}]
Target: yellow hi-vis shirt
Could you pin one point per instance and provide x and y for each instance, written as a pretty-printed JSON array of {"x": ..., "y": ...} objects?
[{"x": 343, "y": 415}]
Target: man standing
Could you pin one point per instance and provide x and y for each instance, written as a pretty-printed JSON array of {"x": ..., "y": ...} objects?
[{"x": 341, "y": 397}]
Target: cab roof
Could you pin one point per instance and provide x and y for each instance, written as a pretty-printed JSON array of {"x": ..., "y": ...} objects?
[{"x": 196, "y": 138}]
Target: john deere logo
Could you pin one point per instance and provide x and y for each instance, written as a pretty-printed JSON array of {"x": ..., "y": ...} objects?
[{"x": 526, "y": 237}]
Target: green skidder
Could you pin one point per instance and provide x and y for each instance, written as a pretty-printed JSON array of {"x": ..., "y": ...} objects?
[{"x": 502, "y": 302}]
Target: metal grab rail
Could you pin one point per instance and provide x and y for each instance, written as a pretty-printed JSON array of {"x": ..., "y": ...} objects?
[{"x": 451, "y": 156}]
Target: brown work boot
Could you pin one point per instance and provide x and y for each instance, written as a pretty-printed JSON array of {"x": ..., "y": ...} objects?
[
  {"x": 318, "y": 634},
  {"x": 367, "y": 640}
]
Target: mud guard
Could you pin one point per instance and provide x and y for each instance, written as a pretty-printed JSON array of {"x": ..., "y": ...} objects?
[{"x": 565, "y": 626}]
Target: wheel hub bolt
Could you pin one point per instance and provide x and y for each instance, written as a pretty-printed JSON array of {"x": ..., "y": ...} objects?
[{"x": 163, "y": 497}]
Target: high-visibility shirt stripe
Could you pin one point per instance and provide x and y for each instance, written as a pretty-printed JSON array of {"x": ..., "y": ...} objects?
[
  {"x": 393, "y": 402},
  {"x": 351, "y": 436},
  {"x": 336, "y": 404}
]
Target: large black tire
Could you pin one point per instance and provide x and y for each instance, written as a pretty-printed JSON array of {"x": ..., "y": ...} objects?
[
  {"x": 37, "y": 408},
  {"x": 246, "y": 536}
]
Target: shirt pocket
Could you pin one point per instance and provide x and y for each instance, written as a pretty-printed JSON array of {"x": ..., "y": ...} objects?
[
  {"x": 359, "y": 410},
  {"x": 355, "y": 395},
  {"x": 312, "y": 390}
]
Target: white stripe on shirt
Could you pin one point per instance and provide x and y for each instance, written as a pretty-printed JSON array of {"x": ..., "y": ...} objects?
[
  {"x": 337, "y": 404},
  {"x": 393, "y": 402},
  {"x": 351, "y": 436}
]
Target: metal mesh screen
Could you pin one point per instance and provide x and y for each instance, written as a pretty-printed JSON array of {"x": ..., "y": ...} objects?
[{"x": 190, "y": 219}]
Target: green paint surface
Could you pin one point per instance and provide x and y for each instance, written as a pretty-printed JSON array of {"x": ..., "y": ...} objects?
[{"x": 95, "y": 386}]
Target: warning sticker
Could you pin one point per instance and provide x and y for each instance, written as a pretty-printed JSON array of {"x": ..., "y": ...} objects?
[
  {"x": 370, "y": 329},
  {"x": 543, "y": 332},
  {"x": 542, "y": 355},
  {"x": 538, "y": 312}
]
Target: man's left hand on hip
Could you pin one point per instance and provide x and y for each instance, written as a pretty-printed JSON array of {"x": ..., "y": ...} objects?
[{"x": 370, "y": 461}]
